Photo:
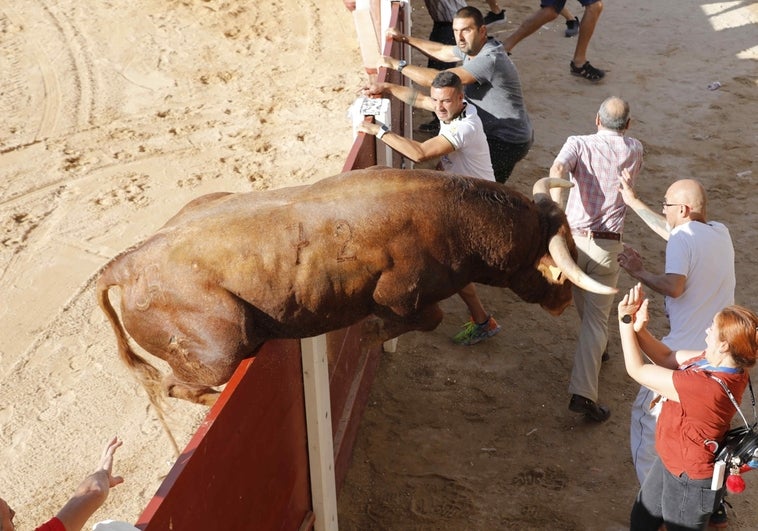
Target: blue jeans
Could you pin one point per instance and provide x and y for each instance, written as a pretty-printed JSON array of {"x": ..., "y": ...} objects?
[{"x": 679, "y": 502}]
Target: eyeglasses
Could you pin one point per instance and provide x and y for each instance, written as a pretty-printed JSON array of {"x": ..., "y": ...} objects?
[{"x": 665, "y": 204}]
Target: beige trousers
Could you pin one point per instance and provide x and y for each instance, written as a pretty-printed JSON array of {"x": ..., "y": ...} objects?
[{"x": 597, "y": 258}]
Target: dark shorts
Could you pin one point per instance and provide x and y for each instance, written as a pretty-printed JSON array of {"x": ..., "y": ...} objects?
[
  {"x": 505, "y": 155},
  {"x": 558, "y": 5},
  {"x": 442, "y": 32}
]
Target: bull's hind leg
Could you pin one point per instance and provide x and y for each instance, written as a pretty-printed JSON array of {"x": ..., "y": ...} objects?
[
  {"x": 207, "y": 356},
  {"x": 203, "y": 343},
  {"x": 199, "y": 394}
]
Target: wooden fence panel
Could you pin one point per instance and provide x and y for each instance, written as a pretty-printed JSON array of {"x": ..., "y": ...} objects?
[{"x": 247, "y": 465}]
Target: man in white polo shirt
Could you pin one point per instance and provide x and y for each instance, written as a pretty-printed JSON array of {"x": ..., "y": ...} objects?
[
  {"x": 462, "y": 147},
  {"x": 460, "y": 143}
]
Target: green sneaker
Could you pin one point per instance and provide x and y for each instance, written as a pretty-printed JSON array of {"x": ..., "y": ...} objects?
[{"x": 473, "y": 333}]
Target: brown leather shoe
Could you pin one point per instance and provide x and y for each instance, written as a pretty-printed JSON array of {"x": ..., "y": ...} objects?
[{"x": 591, "y": 410}]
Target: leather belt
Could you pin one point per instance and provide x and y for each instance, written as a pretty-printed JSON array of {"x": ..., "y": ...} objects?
[{"x": 597, "y": 234}]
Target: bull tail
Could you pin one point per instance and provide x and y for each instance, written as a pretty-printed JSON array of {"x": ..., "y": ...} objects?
[{"x": 145, "y": 373}]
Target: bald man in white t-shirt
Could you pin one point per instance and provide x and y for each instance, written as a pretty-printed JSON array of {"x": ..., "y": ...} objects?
[{"x": 698, "y": 281}]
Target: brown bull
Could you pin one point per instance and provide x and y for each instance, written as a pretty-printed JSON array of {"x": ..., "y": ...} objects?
[{"x": 231, "y": 271}]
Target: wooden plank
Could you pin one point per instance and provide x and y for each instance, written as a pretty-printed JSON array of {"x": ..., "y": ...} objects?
[
  {"x": 319, "y": 421},
  {"x": 367, "y": 36},
  {"x": 354, "y": 385}
]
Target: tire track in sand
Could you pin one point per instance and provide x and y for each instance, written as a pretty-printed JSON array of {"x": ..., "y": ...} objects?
[{"x": 53, "y": 51}]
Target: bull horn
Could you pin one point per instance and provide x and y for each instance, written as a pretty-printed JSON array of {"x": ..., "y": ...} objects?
[
  {"x": 562, "y": 258},
  {"x": 558, "y": 247},
  {"x": 542, "y": 186}
]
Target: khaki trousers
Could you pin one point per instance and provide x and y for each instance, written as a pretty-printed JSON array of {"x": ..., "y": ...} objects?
[{"x": 597, "y": 258}]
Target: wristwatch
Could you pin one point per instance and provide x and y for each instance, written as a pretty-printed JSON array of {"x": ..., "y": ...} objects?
[
  {"x": 401, "y": 64},
  {"x": 626, "y": 319},
  {"x": 382, "y": 130}
]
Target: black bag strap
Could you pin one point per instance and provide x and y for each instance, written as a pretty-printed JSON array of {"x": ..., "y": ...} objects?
[{"x": 731, "y": 397}]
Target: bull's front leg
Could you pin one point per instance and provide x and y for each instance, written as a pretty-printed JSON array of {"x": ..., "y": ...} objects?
[{"x": 387, "y": 325}]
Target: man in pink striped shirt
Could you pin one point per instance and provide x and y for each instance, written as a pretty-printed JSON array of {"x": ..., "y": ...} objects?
[{"x": 595, "y": 211}]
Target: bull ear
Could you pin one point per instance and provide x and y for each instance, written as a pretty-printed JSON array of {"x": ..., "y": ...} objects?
[{"x": 550, "y": 271}]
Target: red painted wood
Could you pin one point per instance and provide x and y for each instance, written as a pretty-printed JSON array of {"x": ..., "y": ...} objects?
[
  {"x": 352, "y": 372},
  {"x": 350, "y": 383},
  {"x": 362, "y": 154},
  {"x": 247, "y": 465}
]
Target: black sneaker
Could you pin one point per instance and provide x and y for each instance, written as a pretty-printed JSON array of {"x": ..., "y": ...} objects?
[
  {"x": 719, "y": 519},
  {"x": 572, "y": 27},
  {"x": 591, "y": 410},
  {"x": 492, "y": 18}
]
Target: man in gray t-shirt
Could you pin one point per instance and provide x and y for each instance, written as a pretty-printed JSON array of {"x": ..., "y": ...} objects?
[
  {"x": 491, "y": 83},
  {"x": 497, "y": 93}
]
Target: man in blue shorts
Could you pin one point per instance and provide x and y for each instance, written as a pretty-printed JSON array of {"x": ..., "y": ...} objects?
[{"x": 549, "y": 10}]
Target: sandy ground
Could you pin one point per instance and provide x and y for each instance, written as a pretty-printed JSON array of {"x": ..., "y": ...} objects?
[
  {"x": 117, "y": 113},
  {"x": 481, "y": 437}
]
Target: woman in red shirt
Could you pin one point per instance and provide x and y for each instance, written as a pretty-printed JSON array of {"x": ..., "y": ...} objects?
[{"x": 696, "y": 411}]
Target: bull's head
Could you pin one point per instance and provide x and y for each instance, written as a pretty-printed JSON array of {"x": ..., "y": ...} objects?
[{"x": 554, "y": 269}]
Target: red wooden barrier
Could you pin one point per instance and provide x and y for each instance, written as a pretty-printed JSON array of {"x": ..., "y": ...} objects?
[{"x": 246, "y": 467}]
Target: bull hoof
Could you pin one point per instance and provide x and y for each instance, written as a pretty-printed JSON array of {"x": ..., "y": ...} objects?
[
  {"x": 372, "y": 331},
  {"x": 209, "y": 398},
  {"x": 205, "y": 396}
]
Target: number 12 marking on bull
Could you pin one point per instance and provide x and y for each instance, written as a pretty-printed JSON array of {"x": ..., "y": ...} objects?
[{"x": 342, "y": 234}]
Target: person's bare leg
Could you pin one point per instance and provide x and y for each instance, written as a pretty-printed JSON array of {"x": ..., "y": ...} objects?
[
  {"x": 494, "y": 8},
  {"x": 565, "y": 13},
  {"x": 534, "y": 22},
  {"x": 586, "y": 29},
  {"x": 475, "y": 307}
]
